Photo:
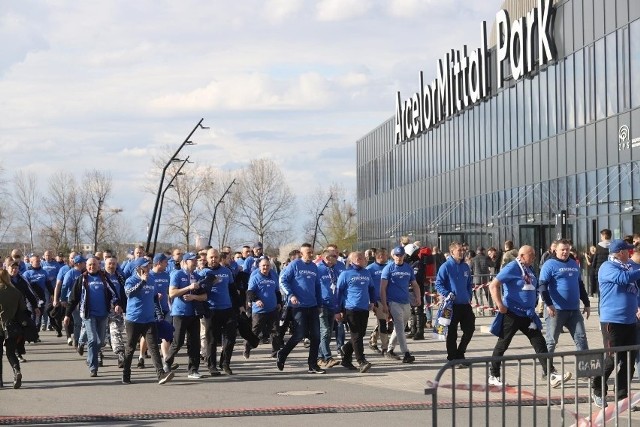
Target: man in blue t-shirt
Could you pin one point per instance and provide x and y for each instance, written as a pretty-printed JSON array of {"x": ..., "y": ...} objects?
[
  {"x": 619, "y": 313},
  {"x": 264, "y": 295},
  {"x": 395, "y": 280},
  {"x": 184, "y": 292},
  {"x": 301, "y": 283},
  {"x": 562, "y": 290},
  {"x": 380, "y": 331},
  {"x": 455, "y": 282},
  {"x": 514, "y": 291},
  {"x": 140, "y": 319},
  {"x": 94, "y": 294}
]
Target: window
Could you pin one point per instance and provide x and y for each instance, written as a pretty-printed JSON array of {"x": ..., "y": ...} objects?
[
  {"x": 535, "y": 109},
  {"x": 544, "y": 123},
  {"x": 551, "y": 85},
  {"x": 579, "y": 88},
  {"x": 634, "y": 58},
  {"x": 569, "y": 101},
  {"x": 612, "y": 75},
  {"x": 600, "y": 80}
]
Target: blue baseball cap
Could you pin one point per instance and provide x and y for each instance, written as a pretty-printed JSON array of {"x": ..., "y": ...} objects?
[
  {"x": 189, "y": 255},
  {"x": 618, "y": 245},
  {"x": 398, "y": 251},
  {"x": 159, "y": 257},
  {"x": 140, "y": 262},
  {"x": 78, "y": 259}
]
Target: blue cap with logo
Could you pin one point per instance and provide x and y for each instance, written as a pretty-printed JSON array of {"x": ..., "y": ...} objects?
[
  {"x": 618, "y": 245},
  {"x": 140, "y": 262},
  {"x": 78, "y": 259},
  {"x": 189, "y": 255},
  {"x": 398, "y": 251}
]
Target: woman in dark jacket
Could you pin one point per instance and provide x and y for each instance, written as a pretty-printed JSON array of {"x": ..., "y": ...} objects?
[{"x": 12, "y": 310}]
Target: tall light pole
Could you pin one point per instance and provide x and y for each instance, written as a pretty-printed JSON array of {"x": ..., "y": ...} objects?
[
  {"x": 169, "y": 185},
  {"x": 173, "y": 158},
  {"x": 315, "y": 232},
  {"x": 215, "y": 209}
]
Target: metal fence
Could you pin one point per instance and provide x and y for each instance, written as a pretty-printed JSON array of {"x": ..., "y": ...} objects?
[{"x": 462, "y": 394}]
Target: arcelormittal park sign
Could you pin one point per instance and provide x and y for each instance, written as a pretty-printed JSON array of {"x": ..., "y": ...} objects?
[{"x": 462, "y": 77}]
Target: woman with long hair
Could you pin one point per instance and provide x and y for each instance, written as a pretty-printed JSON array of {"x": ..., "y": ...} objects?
[{"x": 12, "y": 309}]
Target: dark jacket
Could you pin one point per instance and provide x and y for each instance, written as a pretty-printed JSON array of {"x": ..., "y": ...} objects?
[
  {"x": 12, "y": 306},
  {"x": 601, "y": 256},
  {"x": 80, "y": 295}
]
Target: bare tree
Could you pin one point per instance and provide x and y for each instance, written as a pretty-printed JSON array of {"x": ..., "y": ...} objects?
[
  {"x": 77, "y": 208},
  {"x": 227, "y": 207},
  {"x": 335, "y": 224},
  {"x": 267, "y": 203},
  {"x": 58, "y": 203},
  {"x": 184, "y": 205},
  {"x": 98, "y": 186},
  {"x": 26, "y": 197}
]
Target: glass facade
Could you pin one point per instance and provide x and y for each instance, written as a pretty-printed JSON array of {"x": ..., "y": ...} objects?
[{"x": 558, "y": 142}]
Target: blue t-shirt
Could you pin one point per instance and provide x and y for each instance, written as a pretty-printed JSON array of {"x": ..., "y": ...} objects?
[
  {"x": 265, "y": 288},
  {"x": 356, "y": 289},
  {"x": 218, "y": 295},
  {"x": 52, "y": 268},
  {"x": 455, "y": 277},
  {"x": 97, "y": 298},
  {"x": 562, "y": 280},
  {"x": 140, "y": 305},
  {"x": 398, "y": 278},
  {"x": 62, "y": 271},
  {"x": 513, "y": 281},
  {"x": 301, "y": 279},
  {"x": 160, "y": 281},
  {"x": 618, "y": 293},
  {"x": 375, "y": 270},
  {"x": 329, "y": 284},
  {"x": 67, "y": 283},
  {"x": 37, "y": 277},
  {"x": 181, "y": 279}
]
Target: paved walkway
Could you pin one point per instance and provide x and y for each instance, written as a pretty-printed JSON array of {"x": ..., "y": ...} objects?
[{"x": 57, "y": 386}]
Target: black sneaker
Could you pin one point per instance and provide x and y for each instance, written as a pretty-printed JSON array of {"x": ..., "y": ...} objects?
[
  {"x": 408, "y": 358},
  {"x": 165, "y": 377},
  {"x": 140, "y": 363},
  {"x": 81, "y": 349},
  {"x": 17, "y": 379},
  {"x": 374, "y": 348},
  {"x": 93, "y": 373},
  {"x": 100, "y": 359},
  {"x": 364, "y": 366},
  {"x": 126, "y": 379},
  {"x": 279, "y": 363},
  {"x": 175, "y": 366},
  {"x": 227, "y": 370},
  {"x": 214, "y": 372},
  {"x": 347, "y": 364},
  {"x": 246, "y": 354},
  {"x": 316, "y": 370}
]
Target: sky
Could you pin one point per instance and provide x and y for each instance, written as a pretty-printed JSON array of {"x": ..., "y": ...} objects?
[{"x": 109, "y": 84}]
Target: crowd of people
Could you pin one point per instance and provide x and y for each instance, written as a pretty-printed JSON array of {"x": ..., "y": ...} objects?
[{"x": 155, "y": 303}]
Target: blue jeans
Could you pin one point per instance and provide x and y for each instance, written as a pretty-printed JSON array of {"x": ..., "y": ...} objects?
[
  {"x": 339, "y": 328},
  {"x": 573, "y": 321},
  {"x": 96, "y": 328},
  {"x": 326, "y": 328},
  {"x": 306, "y": 323}
]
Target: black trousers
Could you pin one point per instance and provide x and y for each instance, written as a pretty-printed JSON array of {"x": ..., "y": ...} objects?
[
  {"x": 220, "y": 329},
  {"x": 462, "y": 316},
  {"x": 357, "y": 321},
  {"x": 265, "y": 324},
  {"x": 182, "y": 326},
  {"x": 617, "y": 335},
  {"x": 512, "y": 324},
  {"x": 12, "y": 357},
  {"x": 134, "y": 331}
]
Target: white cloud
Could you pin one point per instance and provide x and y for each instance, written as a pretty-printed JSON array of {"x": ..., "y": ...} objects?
[
  {"x": 339, "y": 10},
  {"x": 412, "y": 8},
  {"x": 278, "y": 11}
]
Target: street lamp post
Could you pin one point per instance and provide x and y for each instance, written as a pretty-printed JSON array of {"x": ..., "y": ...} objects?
[
  {"x": 215, "y": 209},
  {"x": 164, "y": 171},
  {"x": 169, "y": 185},
  {"x": 95, "y": 234},
  {"x": 315, "y": 232}
]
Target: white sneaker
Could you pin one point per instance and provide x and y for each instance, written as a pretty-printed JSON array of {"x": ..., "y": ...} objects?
[
  {"x": 195, "y": 375},
  {"x": 495, "y": 381},
  {"x": 556, "y": 380}
]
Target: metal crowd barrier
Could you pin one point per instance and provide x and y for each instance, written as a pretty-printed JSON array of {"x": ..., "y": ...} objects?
[
  {"x": 464, "y": 395},
  {"x": 480, "y": 293}
]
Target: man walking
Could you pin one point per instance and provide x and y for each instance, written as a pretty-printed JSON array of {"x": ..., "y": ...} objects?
[{"x": 454, "y": 282}]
